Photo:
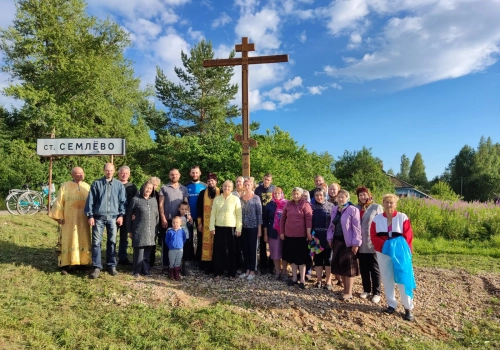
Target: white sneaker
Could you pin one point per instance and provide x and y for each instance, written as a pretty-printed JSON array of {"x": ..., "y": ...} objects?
[
  {"x": 364, "y": 295},
  {"x": 250, "y": 277},
  {"x": 243, "y": 275},
  {"x": 376, "y": 299}
]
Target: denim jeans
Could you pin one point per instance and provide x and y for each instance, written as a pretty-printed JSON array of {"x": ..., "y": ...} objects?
[{"x": 101, "y": 222}]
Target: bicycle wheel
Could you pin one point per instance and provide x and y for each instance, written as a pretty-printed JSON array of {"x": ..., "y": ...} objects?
[
  {"x": 29, "y": 203},
  {"x": 11, "y": 202}
]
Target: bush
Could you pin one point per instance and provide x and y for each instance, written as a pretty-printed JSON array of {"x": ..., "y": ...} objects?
[{"x": 460, "y": 220}]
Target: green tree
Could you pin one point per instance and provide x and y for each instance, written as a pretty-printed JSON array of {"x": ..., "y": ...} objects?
[
  {"x": 475, "y": 174},
  {"x": 460, "y": 170},
  {"x": 391, "y": 172},
  {"x": 417, "y": 174},
  {"x": 362, "y": 168},
  {"x": 291, "y": 165},
  {"x": 404, "y": 168},
  {"x": 69, "y": 71},
  {"x": 200, "y": 102}
]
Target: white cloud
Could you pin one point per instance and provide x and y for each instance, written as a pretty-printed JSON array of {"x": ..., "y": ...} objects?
[
  {"x": 433, "y": 40},
  {"x": 168, "y": 16},
  {"x": 344, "y": 14},
  {"x": 303, "y": 37},
  {"x": 282, "y": 98},
  {"x": 168, "y": 48},
  {"x": 257, "y": 103},
  {"x": 336, "y": 86},
  {"x": 246, "y": 6},
  {"x": 133, "y": 8},
  {"x": 316, "y": 90},
  {"x": 196, "y": 35},
  {"x": 355, "y": 40},
  {"x": 261, "y": 27},
  {"x": 292, "y": 83},
  {"x": 221, "y": 21}
]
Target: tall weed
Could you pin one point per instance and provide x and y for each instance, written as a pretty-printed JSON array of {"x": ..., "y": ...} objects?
[{"x": 455, "y": 220}]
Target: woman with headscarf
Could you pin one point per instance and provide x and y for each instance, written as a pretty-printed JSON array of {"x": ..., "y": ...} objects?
[
  {"x": 394, "y": 227},
  {"x": 344, "y": 237},
  {"x": 368, "y": 265},
  {"x": 271, "y": 226},
  {"x": 295, "y": 231},
  {"x": 322, "y": 211},
  {"x": 144, "y": 227}
]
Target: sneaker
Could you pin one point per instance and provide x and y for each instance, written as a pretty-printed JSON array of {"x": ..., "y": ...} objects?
[
  {"x": 112, "y": 271},
  {"x": 317, "y": 285},
  {"x": 250, "y": 277},
  {"x": 95, "y": 273},
  {"x": 64, "y": 272},
  {"x": 364, "y": 295},
  {"x": 136, "y": 275},
  {"x": 390, "y": 310},
  {"x": 244, "y": 275},
  {"x": 328, "y": 286},
  {"x": 376, "y": 299},
  {"x": 408, "y": 315},
  {"x": 302, "y": 285}
]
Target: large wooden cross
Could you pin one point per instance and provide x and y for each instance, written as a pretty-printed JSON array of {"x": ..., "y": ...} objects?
[{"x": 244, "y": 61}]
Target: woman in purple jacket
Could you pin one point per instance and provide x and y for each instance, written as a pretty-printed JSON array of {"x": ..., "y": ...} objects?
[
  {"x": 344, "y": 236},
  {"x": 295, "y": 231}
]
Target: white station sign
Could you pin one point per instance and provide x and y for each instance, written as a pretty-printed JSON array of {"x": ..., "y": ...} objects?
[{"x": 80, "y": 147}]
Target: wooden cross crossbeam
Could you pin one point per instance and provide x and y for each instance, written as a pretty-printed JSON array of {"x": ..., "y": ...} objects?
[{"x": 244, "y": 61}]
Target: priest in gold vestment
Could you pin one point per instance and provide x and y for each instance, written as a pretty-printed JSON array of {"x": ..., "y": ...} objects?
[{"x": 74, "y": 243}]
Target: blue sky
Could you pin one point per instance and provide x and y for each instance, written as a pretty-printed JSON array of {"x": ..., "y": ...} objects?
[{"x": 397, "y": 76}]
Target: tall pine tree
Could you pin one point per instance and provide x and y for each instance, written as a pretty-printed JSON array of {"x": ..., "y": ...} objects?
[
  {"x": 404, "y": 169},
  {"x": 200, "y": 102},
  {"x": 417, "y": 174}
]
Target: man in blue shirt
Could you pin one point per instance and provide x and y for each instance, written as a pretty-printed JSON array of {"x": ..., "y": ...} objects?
[
  {"x": 105, "y": 208},
  {"x": 194, "y": 189}
]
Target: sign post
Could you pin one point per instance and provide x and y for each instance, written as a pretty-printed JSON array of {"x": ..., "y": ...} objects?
[
  {"x": 80, "y": 147},
  {"x": 77, "y": 147}
]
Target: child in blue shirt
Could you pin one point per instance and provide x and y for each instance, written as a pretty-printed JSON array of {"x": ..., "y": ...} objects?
[{"x": 175, "y": 239}]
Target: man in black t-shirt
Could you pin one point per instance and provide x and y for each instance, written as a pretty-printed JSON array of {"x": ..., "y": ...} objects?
[{"x": 265, "y": 193}]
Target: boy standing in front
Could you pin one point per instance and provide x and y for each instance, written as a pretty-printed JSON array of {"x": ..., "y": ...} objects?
[{"x": 175, "y": 239}]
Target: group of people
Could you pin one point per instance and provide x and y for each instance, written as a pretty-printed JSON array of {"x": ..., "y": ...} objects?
[{"x": 235, "y": 225}]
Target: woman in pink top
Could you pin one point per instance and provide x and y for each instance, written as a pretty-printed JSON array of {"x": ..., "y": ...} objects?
[{"x": 295, "y": 231}]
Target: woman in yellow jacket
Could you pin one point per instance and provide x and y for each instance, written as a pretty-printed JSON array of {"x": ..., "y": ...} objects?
[{"x": 225, "y": 223}]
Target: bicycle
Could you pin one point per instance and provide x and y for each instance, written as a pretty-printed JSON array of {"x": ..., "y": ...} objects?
[
  {"x": 13, "y": 197},
  {"x": 33, "y": 201}
]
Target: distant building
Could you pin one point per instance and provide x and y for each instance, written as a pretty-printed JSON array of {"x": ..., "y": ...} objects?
[{"x": 404, "y": 189}]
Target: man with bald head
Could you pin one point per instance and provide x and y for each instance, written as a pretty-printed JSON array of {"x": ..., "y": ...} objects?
[
  {"x": 105, "y": 208},
  {"x": 74, "y": 245}
]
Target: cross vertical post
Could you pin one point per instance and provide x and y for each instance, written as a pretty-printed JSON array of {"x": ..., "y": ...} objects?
[{"x": 244, "y": 61}]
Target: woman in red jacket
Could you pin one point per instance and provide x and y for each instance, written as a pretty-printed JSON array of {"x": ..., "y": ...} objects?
[
  {"x": 295, "y": 231},
  {"x": 391, "y": 224}
]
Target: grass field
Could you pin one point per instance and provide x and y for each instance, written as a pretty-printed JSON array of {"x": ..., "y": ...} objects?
[{"x": 41, "y": 309}]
